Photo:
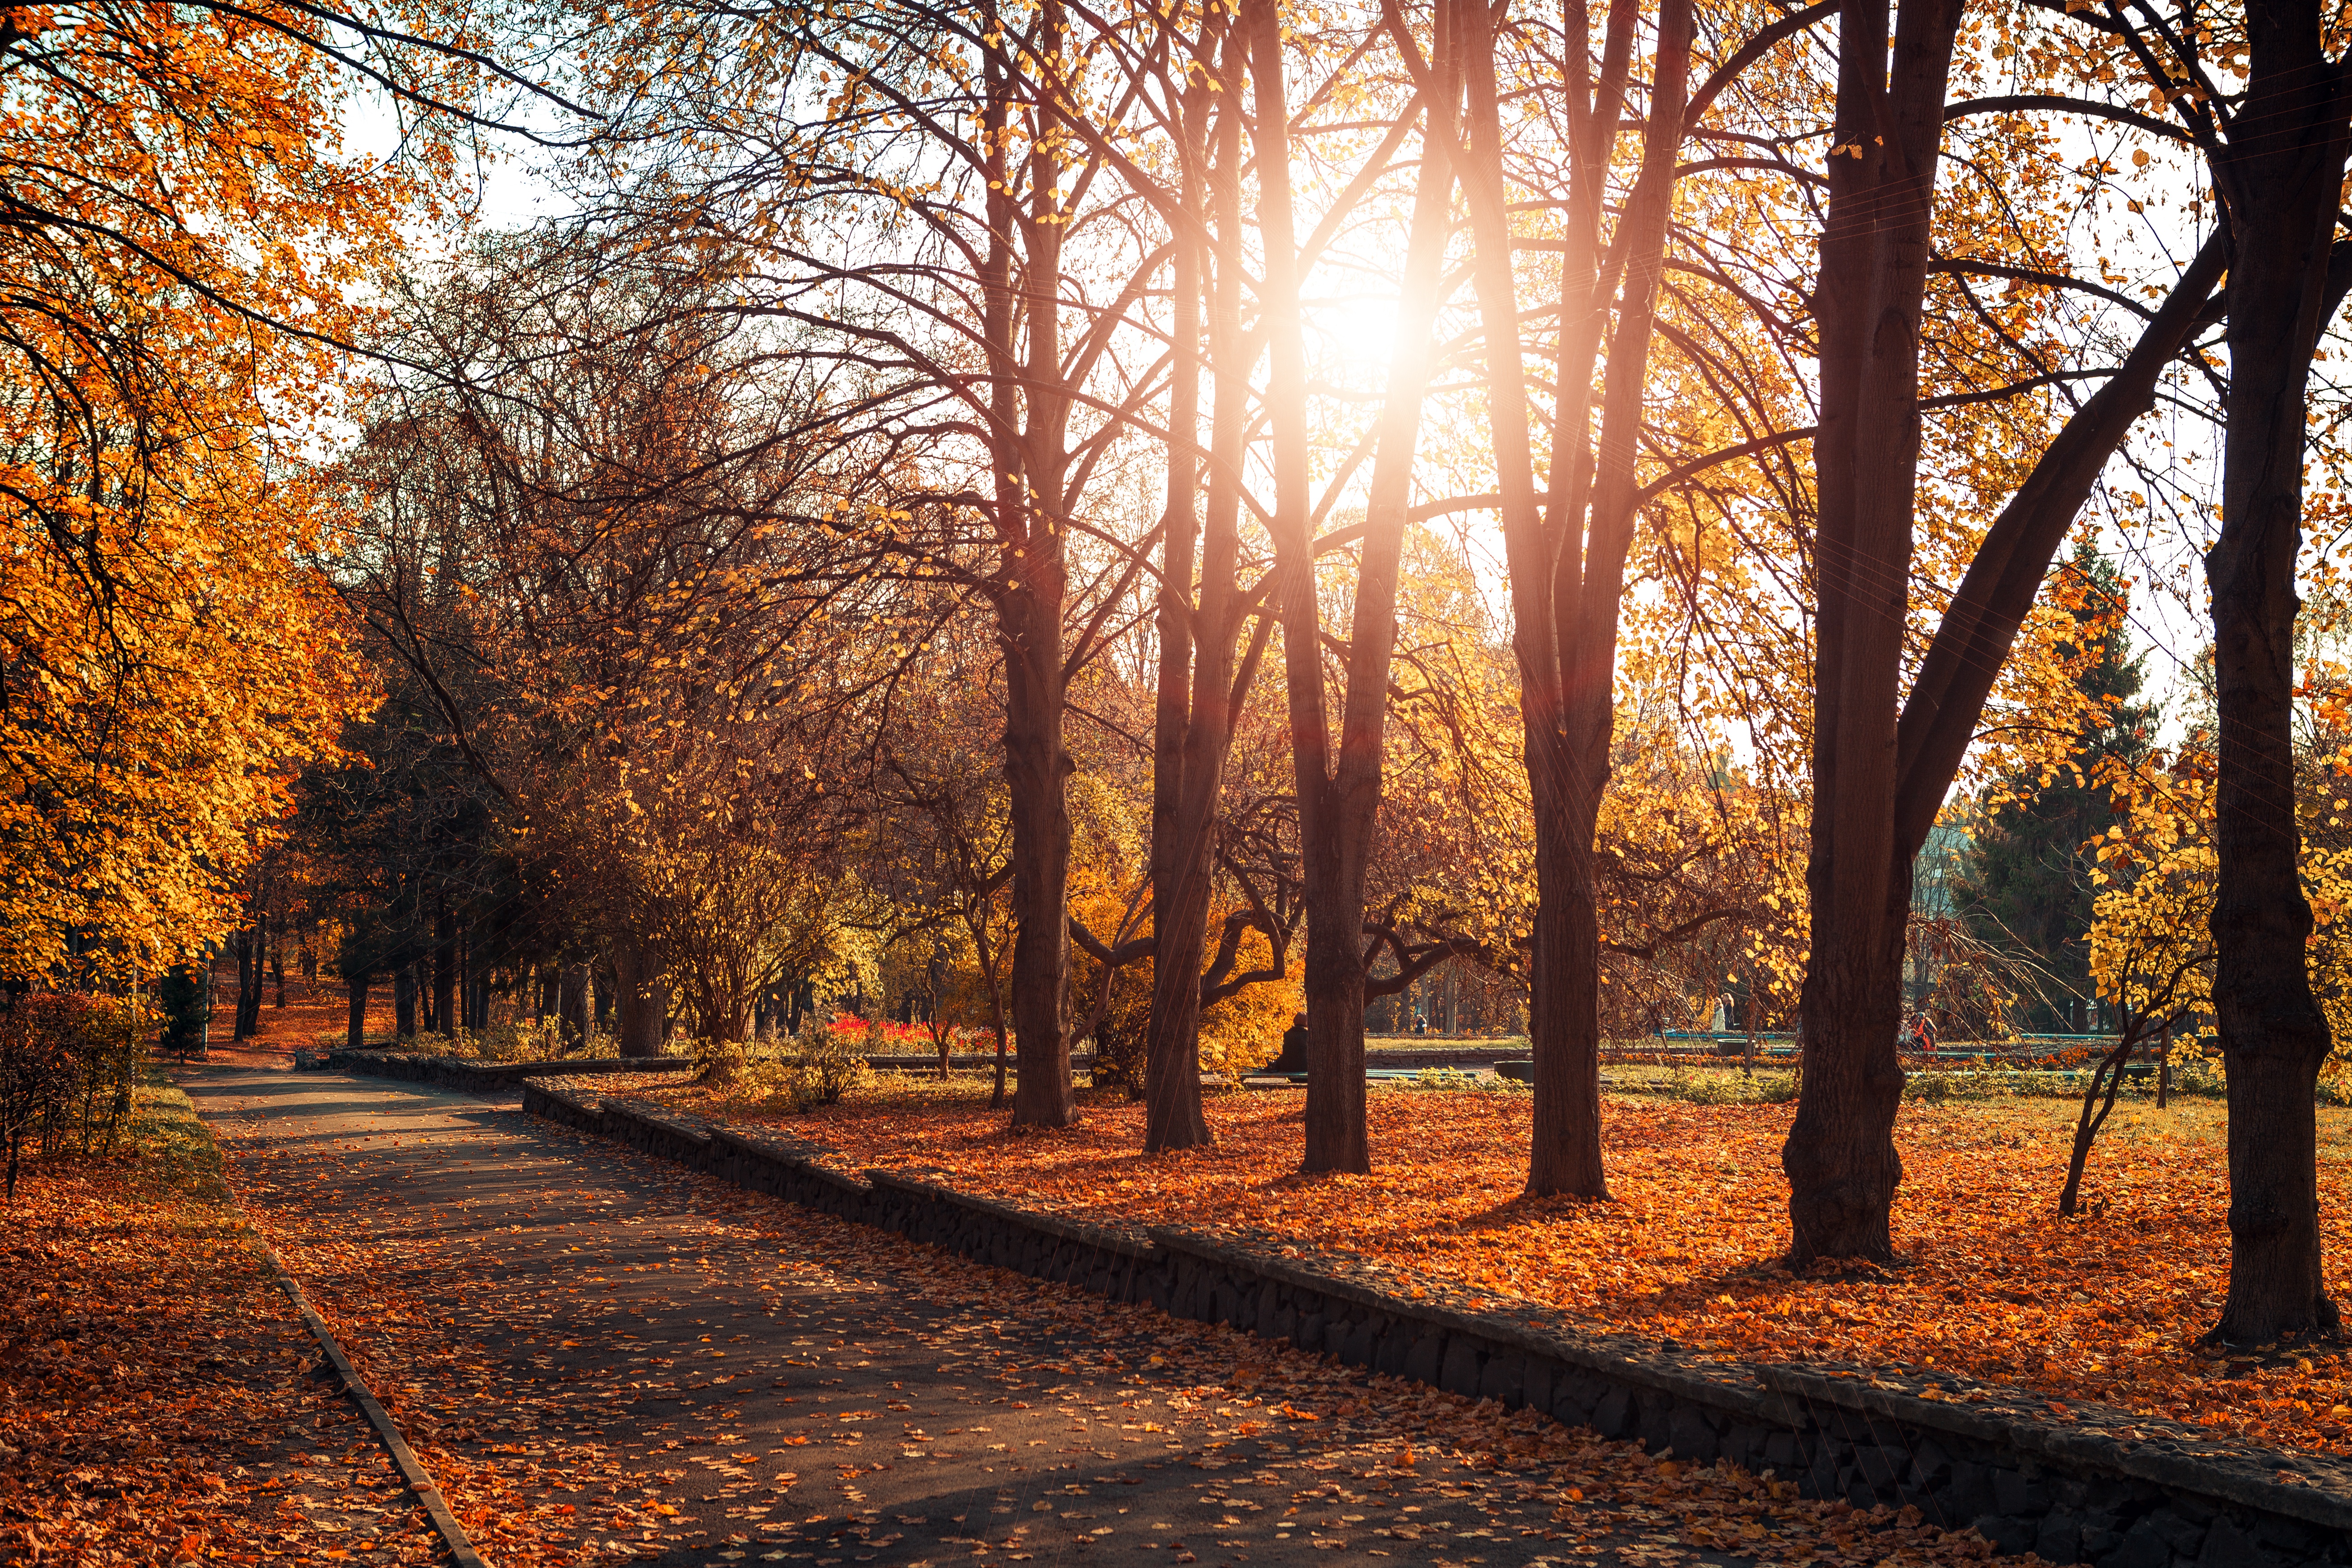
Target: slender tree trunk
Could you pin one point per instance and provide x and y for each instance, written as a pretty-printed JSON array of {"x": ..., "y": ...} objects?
[
  {"x": 1172, "y": 1114},
  {"x": 1029, "y": 408},
  {"x": 404, "y": 1000},
  {"x": 2098, "y": 1103},
  {"x": 2281, "y": 189},
  {"x": 245, "y": 1021},
  {"x": 1336, "y": 1135},
  {"x": 1840, "y": 1154},
  {"x": 355, "y": 989},
  {"x": 1565, "y": 1154},
  {"x": 277, "y": 964},
  {"x": 1339, "y": 840},
  {"x": 1036, "y": 767}
]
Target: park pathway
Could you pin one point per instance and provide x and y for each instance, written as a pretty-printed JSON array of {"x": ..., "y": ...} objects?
[{"x": 604, "y": 1358}]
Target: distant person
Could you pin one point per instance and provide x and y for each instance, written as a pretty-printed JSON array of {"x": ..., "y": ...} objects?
[
  {"x": 1294, "y": 1048},
  {"x": 1420, "y": 1025}
]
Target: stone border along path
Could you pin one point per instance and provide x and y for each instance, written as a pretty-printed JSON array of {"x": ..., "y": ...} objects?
[
  {"x": 608, "y": 1358},
  {"x": 418, "y": 1479},
  {"x": 2086, "y": 1484}
]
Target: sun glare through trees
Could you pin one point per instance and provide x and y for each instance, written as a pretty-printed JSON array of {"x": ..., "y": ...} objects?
[{"x": 1717, "y": 631}]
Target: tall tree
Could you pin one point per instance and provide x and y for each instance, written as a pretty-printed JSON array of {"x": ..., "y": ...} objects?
[
  {"x": 1880, "y": 776},
  {"x": 2280, "y": 181}
]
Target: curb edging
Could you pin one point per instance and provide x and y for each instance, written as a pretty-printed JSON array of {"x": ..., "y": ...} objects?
[{"x": 412, "y": 1469}]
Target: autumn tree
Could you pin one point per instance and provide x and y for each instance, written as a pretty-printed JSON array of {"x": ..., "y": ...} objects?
[
  {"x": 2027, "y": 885},
  {"x": 570, "y": 557},
  {"x": 185, "y": 242},
  {"x": 1884, "y": 757}
]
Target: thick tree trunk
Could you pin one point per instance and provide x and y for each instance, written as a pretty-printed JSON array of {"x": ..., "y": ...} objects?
[
  {"x": 404, "y": 1000},
  {"x": 1840, "y": 1154},
  {"x": 355, "y": 990},
  {"x": 641, "y": 998},
  {"x": 572, "y": 1006},
  {"x": 2282, "y": 190}
]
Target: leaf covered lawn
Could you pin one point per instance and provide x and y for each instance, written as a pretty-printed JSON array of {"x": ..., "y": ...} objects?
[
  {"x": 159, "y": 1402},
  {"x": 1993, "y": 1284}
]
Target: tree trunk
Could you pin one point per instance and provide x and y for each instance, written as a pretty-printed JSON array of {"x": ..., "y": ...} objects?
[
  {"x": 2098, "y": 1104},
  {"x": 355, "y": 988},
  {"x": 640, "y": 998},
  {"x": 444, "y": 972},
  {"x": 246, "y": 1020},
  {"x": 1035, "y": 769},
  {"x": 1840, "y": 1154},
  {"x": 572, "y": 1006},
  {"x": 2281, "y": 190},
  {"x": 1029, "y": 411},
  {"x": 277, "y": 964},
  {"x": 1338, "y": 834},
  {"x": 1172, "y": 1114},
  {"x": 1336, "y": 1136},
  {"x": 404, "y": 1000}
]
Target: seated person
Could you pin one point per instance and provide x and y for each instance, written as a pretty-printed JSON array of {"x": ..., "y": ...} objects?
[{"x": 1293, "y": 1049}]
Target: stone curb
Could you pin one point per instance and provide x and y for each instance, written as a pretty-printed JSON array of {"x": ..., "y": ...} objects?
[
  {"x": 2103, "y": 1486},
  {"x": 482, "y": 1078},
  {"x": 413, "y": 1472}
]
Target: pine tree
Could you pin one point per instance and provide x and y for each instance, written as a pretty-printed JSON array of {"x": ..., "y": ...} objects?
[{"x": 2026, "y": 887}]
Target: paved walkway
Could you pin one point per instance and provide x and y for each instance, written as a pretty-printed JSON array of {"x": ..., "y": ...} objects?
[{"x": 602, "y": 1356}]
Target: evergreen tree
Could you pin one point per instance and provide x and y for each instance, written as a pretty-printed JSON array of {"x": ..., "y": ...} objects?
[
  {"x": 2025, "y": 887},
  {"x": 180, "y": 997}
]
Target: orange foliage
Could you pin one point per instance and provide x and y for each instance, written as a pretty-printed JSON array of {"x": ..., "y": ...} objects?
[
  {"x": 151, "y": 1388},
  {"x": 1996, "y": 1286}
]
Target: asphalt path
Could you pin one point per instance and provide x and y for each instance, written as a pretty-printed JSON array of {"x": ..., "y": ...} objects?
[{"x": 606, "y": 1358}]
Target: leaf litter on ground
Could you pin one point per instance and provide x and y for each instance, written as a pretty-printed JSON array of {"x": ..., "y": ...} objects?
[
  {"x": 619, "y": 1440},
  {"x": 1992, "y": 1284},
  {"x": 160, "y": 1400}
]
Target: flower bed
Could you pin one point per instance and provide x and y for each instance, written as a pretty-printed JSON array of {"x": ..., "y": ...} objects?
[{"x": 1995, "y": 1285}]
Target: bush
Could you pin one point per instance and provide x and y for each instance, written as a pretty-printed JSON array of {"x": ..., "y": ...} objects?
[
  {"x": 815, "y": 1067},
  {"x": 825, "y": 1064},
  {"x": 67, "y": 1062},
  {"x": 1704, "y": 1086},
  {"x": 522, "y": 1040}
]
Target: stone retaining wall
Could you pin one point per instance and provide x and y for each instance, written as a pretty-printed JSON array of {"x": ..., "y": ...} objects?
[
  {"x": 486, "y": 1078},
  {"x": 2098, "y": 1486}
]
